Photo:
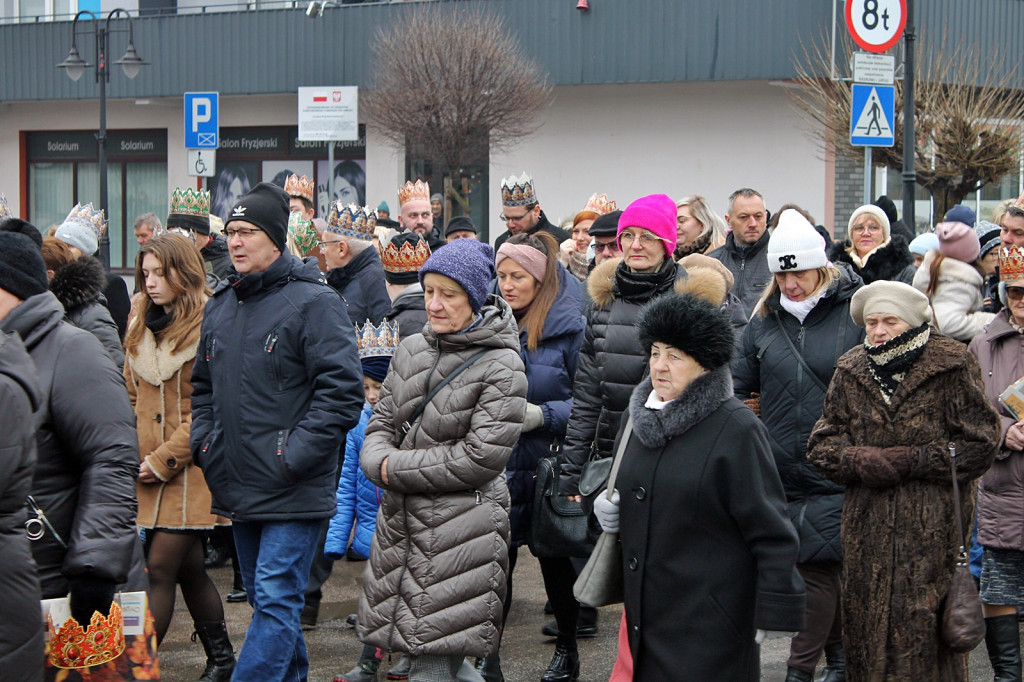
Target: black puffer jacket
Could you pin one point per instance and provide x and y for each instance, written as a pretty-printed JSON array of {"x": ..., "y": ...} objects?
[
  {"x": 21, "y": 648},
  {"x": 748, "y": 265},
  {"x": 362, "y": 286},
  {"x": 890, "y": 262},
  {"x": 409, "y": 311},
  {"x": 79, "y": 287},
  {"x": 88, "y": 453},
  {"x": 791, "y": 403}
]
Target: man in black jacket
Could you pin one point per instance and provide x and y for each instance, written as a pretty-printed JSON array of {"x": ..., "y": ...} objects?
[
  {"x": 521, "y": 211},
  {"x": 276, "y": 385},
  {"x": 354, "y": 268},
  {"x": 744, "y": 251}
]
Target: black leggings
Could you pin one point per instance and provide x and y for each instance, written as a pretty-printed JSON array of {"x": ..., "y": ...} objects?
[
  {"x": 559, "y": 577},
  {"x": 177, "y": 558}
]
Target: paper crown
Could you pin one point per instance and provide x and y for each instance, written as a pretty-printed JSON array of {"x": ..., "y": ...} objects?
[
  {"x": 353, "y": 221},
  {"x": 1020, "y": 202},
  {"x": 1011, "y": 263},
  {"x": 5, "y": 210},
  {"x": 600, "y": 204},
  {"x": 299, "y": 187},
  {"x": 518, "y": 191},
  {"x": 303, "y": 232},
  {"x": 75, "y": 647},
  {"x": 404, "y": 258},
  {"x": 413, "y": 192},
  {"x": 376, "y": 342},
  {"x": 190, "y": 202},
  {"x": 90, "y": 217}
]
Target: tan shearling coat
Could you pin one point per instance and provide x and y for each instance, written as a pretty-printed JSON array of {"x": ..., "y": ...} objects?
[{"x": 159, "y": 386}]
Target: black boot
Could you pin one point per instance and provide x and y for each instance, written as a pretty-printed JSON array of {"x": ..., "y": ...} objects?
[
  {"x": 1002, "y": 639},
  {"x": 220, "y": 657},
  {"x": 586, "y": 624},
  {"x": 490, "y": 668},
  {"x": 565, "y": 665},
  {"x": 835, "y": 664},
  {"x": 797, "y": 675}
]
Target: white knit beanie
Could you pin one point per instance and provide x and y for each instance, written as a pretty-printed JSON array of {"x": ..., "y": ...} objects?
[
  {"x": 879, "y": 215},
  {"x": 795, "y": 245}
]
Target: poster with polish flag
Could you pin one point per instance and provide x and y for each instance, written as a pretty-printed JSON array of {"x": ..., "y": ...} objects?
[{"x": 328, "y": 113}]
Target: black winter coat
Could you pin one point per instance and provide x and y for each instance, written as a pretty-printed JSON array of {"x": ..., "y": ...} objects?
[
  {"x": 79, "y": 288},
  {"x": 709, "y": 555},
  {"x": 276, "y": 386},
  {"x": 890, "y": 262},
  {"x": 87, "y": 453},
  {"x": 119, "y": 303},
  {"x": 409, "y": 311},
  {"x": 217, "y": 257},
  {"x": 361, "y": 286},
  {"x": 748, "y": 265},
  {"x": 791, "y": 403},
  {"x": 21, "y": 648}
]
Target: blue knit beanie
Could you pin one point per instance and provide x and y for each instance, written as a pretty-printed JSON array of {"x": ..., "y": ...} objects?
[
  {"x": 468, "y": 262},
  {"x": 376, "y": 367}
]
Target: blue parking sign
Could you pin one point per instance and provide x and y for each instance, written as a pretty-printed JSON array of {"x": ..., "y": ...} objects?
[
  {"x": 202, "y": 130},
  {"x": 873, "y": 116}
]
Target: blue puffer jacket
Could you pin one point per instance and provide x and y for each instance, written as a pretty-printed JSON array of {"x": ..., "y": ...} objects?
[
  {"x": 549, "y": 372},
  {"x": 358, "y": 499},
  {"x": 276, "y": 385}
]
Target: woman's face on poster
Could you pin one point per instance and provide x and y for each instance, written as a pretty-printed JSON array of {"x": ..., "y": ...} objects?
[{"x": 344, "y": 191}]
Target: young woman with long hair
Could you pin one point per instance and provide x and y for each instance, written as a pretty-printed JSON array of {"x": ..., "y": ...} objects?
[{"x": 174, "y": 501}]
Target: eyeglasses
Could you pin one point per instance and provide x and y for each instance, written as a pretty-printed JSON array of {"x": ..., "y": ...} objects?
[
  {"x": 646, "y": 238},
  {"x": 601, "y": 246},
  {"x": 243, "y": 232},
  {"x": 1014, "y": 293},
  {"x": 871, "y": 227},
  {"x": 508, "y": 218},
  {"x": 324, "y": 244}
]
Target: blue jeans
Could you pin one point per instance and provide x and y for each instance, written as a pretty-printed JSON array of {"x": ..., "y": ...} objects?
[{"x": 274, "y": 557}]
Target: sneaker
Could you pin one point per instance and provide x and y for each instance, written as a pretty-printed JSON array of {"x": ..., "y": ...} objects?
[
  {"x": 400, "y": 671},
  {"x": 237, "y": 594}
]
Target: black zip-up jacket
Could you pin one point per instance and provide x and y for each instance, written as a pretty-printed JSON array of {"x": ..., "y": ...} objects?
[{"x": 748, "y": 265}]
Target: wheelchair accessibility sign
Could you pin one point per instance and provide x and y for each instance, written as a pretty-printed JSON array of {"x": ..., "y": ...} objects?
[{"x": 873, "y": 115}]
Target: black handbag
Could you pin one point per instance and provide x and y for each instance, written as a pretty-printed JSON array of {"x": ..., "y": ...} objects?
[{"x": 559, "y": 525}]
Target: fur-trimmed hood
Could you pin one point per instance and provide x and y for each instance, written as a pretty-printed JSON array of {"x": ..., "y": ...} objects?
[
  {"x": 79, "y": 282},
  {"x": 655, "y": 428},
  {"x": 699, "y": 278}
]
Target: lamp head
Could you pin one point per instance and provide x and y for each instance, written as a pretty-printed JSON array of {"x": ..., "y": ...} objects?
[
  {"x": 73, "y": 64},
  {"x": 131, "y": 62}
]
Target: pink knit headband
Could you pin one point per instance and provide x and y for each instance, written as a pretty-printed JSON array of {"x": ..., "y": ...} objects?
[{"x": 534, "y": 261}]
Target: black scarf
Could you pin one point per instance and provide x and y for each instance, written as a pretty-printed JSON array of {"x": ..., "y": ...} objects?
[
  {"x": 157, "y": 320},
  {"x": 889, "y": 362},
  {"x": 698, "y": 245},
  {"x": 640, "y": 287}
]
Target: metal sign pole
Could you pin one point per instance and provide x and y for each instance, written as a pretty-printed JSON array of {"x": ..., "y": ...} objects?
[
  {"x": 330, "y": 175},
  {"x": 867, "y": 175},
  {"x": 909, "y": 171}
]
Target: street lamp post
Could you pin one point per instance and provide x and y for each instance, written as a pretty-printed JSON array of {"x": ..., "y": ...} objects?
[{"x": 74, "y": 66}]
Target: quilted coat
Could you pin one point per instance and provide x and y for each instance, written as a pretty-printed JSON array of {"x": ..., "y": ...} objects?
[
  {"x": 79, "y": 288},
  {"x": 957, "y": 300},
  {"x": 358, "y": 500},
  {"x": 435, "y": 582},
  {"x": 899, "y": 542},
  {"x": 160, "y": 390},
  {"x": 791, "y": 403}
]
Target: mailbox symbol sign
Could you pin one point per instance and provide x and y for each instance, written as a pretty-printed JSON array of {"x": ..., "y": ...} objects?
[{"x": 202, "y": 129}]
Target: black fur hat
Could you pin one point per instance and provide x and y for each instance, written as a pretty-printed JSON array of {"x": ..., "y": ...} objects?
[{"x": 691, "y": 324}]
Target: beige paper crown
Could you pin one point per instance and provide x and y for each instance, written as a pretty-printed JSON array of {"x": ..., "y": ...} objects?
[
  {"x": 1011, "y": 263},
  {"x": 353, "y": 221},
  {"x": 600, "y": 204},
  {"x": 78, "y": 647},
  {"x": 404, "y": 258},
  {"x": 90, "y": 217},
  {"x": 5, "y": 210},
  {"x": 413, "y": 192},
  {"x": 299, "y": 187},
  {"x": 190, "y": 202},
  {"x": 518, "y": 191},
  {"x": 376, "y": 342}
]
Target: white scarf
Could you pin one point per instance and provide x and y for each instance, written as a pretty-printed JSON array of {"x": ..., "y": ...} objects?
[
  {"x": 655, "y": 403},
  {"x": 801, "y": 309}
]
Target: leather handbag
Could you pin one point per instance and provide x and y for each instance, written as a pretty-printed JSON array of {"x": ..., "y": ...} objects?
[
  {"x": 963, "y": 623},
  {"x": 600, "y": 583},
  {"x": 558, "y": 525}
]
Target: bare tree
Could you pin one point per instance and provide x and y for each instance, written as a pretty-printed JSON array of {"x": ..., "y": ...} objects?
[
  {"x": 968, "y": 118},
  {"x": 451, "y": 83}
]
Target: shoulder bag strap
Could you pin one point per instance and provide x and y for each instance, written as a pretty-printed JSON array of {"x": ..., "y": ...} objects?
[
  {"x": 626, "y": 432},
  {"x": 407, "y": 425},
  {"x": 799, "y": 358},
  {"x": 961, "y": 552}
]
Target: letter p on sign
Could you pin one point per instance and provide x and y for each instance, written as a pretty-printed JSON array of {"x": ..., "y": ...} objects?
[
  {"x": 201, "y": 107},
  {"x": 201, "y": 126}
]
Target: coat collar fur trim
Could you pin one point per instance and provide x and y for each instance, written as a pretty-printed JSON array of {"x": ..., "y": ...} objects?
[
  {"x": 156, "y": 363},
  {"x": 703, "y": 281},
  {"x": 655, "y": 428}
]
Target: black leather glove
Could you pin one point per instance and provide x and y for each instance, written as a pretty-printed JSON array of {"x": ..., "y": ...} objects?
[{"x": 90, "y": 594}]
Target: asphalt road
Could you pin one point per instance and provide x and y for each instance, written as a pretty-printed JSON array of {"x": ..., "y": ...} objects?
[{"x": 333, "y": 647}]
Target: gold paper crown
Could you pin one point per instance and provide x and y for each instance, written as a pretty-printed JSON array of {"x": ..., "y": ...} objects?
[
  {"x": 75, "y": 647},
  {"x": 600, "y": 204},
  {"x": 404, "y": 258},
  {"x": 1020, "y": 202},
  {"x": 5, "y": 210},
  {"x": 302, "y": 232},
  {"x": 518, "y": 191},
  {"x": 190, "y": 202},
  {"x": 88, "y": 216},
  {"x": 352, "y": 221},
  {"x": 410, "y": 192},
  {"x": 299, "y": 187},
  {"x": 377, "y": 342},
  {"x": 1011, "y": 263}
]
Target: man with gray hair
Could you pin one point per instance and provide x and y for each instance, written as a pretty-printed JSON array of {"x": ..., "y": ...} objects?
[
  {"x": 147, "y": 226},
  {"x": 353, "y": 266},
  {"x": 744, "y": 252}
]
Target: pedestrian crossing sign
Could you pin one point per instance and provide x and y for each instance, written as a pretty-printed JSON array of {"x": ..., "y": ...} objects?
[{"x": 873, "y": 115}]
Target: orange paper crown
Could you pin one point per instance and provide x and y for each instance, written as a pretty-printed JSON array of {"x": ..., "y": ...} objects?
[
  {"x": 353, "y": 221},
  {"x": 74, "y": 647},
  {"x": 413, "y": 192},
  {"x": 1011, "y": 263},
  {"x": 299, "y": 187},
  {"x": 404, "y": 258},
  {"x": 600, "y": 204}
]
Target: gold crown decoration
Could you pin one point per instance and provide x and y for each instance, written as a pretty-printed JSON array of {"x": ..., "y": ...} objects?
[
  {"x": 1011, "y": 263},
  {"x": 5, "y": 209},
  {"x": 600, "y": 204},
  {"x": 190, "y": 202},
  {"x": 518, "y": 191},
  {"x": 413, "y": 192},
  {"x": 353, "y": 221},
  {"x": 299, "y": 187},
  {"x": 404, "y": 257},
  {"x": 377, "y": 342},
  {"x": 76, "y": 647},
  {"x": 1020, "y": 202},
  {"x": 92, "y": 218},
  {"x": 302, "y": 232}
]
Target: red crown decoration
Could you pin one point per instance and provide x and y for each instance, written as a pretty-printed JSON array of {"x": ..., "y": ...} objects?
[
  {"x": 600, "y": 204},
  {"x": 404, "y": 258},
  {"x": 1011, "y": 263},
  {"x": 299, "y": 187},
  {"x": 75, "y": 647},
  {"x": 413, "y": 192},
  {"x": 518, "y": 191},
  {"x": 358, "y": 222}
]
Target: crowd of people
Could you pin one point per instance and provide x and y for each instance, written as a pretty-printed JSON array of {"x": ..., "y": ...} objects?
[{"x": 770, "y": 402}]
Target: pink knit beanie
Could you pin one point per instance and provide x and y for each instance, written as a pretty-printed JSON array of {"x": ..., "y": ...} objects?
[
  {"x": 655, "y": 213},
  {"x": 958, "y": 241}
]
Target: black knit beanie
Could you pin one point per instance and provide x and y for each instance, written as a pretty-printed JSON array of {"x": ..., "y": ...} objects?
[
  {"x": 690, "y": 324},
  {"x": 22, "y": 227},
  {"x": 266, "y": 207},
  {"x": 22, "y": 270}
]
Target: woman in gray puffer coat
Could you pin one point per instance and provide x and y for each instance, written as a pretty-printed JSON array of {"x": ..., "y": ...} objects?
[{"x": 435, "y": 582}]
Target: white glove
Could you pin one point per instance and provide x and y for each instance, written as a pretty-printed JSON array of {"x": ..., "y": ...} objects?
[
  {"x": 772, "y": 634},
  {"x": 607, "y": 511},
  {"x": 534, "y": 418}
]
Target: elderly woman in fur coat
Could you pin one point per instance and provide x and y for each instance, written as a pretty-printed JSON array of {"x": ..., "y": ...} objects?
[
  {"x": 893, "y": 407},
  {"x": 697, "y": 488}
]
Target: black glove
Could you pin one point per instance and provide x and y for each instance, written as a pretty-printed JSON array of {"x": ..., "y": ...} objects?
[{"x": 90, "y": 594}]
